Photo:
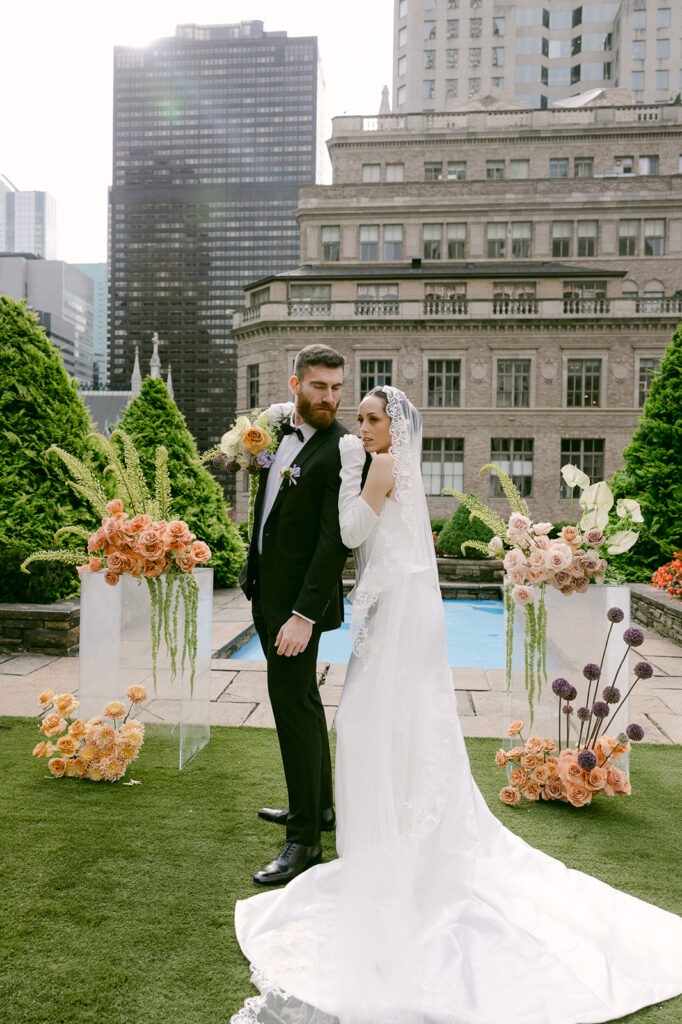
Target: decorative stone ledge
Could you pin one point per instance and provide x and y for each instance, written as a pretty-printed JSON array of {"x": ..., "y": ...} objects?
[
  {"x": 456, "y": 570},
  {"x": 658, "y": 610},
  {"x": 43, "y": 628}
]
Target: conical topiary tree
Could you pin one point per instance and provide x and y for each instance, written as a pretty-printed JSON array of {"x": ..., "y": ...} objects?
[
  {"x": 459, "y": 528},
  {"x": 153, "y": 419},
  {"x": 652, "y": 473},
  {"x": 39, "y": 406}
]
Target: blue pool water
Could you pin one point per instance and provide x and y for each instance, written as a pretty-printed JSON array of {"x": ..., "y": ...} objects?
[{"x": 475, "y": 632}]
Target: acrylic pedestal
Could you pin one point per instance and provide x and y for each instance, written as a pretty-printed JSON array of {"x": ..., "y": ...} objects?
[
  {"x": 116, "y": 651},
  {"x": 577, "y": 627}
]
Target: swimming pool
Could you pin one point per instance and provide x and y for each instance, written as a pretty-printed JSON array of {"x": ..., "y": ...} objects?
[{"x": 475, "y": 632}]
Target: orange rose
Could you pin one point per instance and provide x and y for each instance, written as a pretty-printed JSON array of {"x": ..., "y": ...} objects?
[
  {"x": 110, "y": 577},
  {"x": 510, "y": 796},
  {"x": 578, "y": 795},
  {"x": 550, "y": 745},
  {"x": 46, "y": 698},
  {"x": 518, "y": 776},
  {"x": 554, "y": 790},
  {"x": 77, "y": 729},
  {"x": 41, "y": 749},
  {"x": 596, "y": 779},
  {"x": 500, "y": 758},
  {"x": 617, "y": 782},
  {"x": 138, "y": 523},
  {"x": 541, "y": 775},
  {"x": 137, "y": 694},
  {"x": 552, "y": 765},
  {"x": 534, "y": 745},
  {"x": 114, "y": 506},
  {"x": 515, "y": 728},
  {"x": 529, "y": 761},
  {"x": 255, "y": 439},
  {"x": 514, "y": 753},
  {"x": 570, "y": 772},
  {"x": 57, "y": 766},
  {"x": 200, "y": 552},
  {"x": 66, "y": 703},
  {"x": 531, "y": 791},
  {"x": 52, "y": 725},
  {"x": 186, "y": 561},
  {"x": 68, "y": 745}
]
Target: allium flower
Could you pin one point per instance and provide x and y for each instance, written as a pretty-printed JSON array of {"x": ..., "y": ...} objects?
[
  {"x": 587, "y": 760},
  {"x": 615, "y": 615},
  {"x": 219, "y": 461},
  {"x": 567, "y": 709},
  {"x": 634, "y": 637},
  {"x": 584, "y": 714},
  {"x": 232, "y": 466},
  {"x": 561, "y": 687},
  {"x": 572, "y": 693},
  {"x": 600, "y": 709},
  {"x": 643, "y": 670},
  {"x": 611, "y": 694},
  {"x": 635, "y": 732},
  {"x": 591, "y": 671}
]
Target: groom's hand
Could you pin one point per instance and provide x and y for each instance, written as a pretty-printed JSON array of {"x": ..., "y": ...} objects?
[{"x": 293, "y": 636}]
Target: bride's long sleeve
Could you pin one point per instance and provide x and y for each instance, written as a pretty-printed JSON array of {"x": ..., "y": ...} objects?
[{"x": 356, "y": 518}]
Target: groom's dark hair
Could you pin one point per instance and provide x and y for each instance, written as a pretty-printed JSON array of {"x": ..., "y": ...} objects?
[{"x": 317, "y": 355}]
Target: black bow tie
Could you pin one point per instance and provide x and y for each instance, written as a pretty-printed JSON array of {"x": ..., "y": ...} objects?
[{"x": 289, "y": 428}]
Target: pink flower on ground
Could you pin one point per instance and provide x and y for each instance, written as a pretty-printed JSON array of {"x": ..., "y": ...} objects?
[
  {"x": 541, "y": 528},
  {"x": 522, "y": 595}
]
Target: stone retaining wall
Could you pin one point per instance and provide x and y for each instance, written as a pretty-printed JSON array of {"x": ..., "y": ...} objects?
[
  {"x": 455, "y": 570},
  {"x": 41, "y": 628},
  {"x": 657, "y": 610}
]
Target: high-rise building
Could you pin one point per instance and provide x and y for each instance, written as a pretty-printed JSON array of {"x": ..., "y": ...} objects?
[
  {"x": 98, "y": 273},
  {"x": 28, "y": 222},
  {"x": 445, "y": 52},
  {"x": 215, "y": 129}
]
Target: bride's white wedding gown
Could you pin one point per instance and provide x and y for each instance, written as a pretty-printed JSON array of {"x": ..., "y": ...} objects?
[{"x": 435, "y": 913}]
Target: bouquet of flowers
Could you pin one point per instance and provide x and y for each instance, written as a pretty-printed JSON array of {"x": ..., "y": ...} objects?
[
  {"x": 558, "y": 771},
  {"x": 96, "y": 750},
  {"x": 669, "y": 576}
]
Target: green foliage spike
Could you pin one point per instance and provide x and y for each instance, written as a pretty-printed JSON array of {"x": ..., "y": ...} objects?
[
  {"x": 61, "y": 556},
  {"x": 135, "y": 481},
  {"x": 75, "y": 531},
  {"x": 475, "y": 545},
  {"x": 84, "y": 481},
  {"x": 162, "y": 484},
  {"x": 516, "y": 502},
  {"x": 481, "y": 511}
]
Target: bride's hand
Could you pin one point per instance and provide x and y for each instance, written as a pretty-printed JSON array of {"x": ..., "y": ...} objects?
[{"x": 352, "y": 452}]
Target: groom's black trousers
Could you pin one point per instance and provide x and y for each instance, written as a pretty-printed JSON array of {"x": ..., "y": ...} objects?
[{"x": 301, "y": 730}]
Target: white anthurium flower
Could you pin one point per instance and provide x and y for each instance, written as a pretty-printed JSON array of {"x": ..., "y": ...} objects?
[
  {"x": 597, "y": 496},
  {"x": 264, "y": 420},
  {"x": 621, "y": 541},
  {"x": 595, "y": 519},
  {"x": 629, "y": 506},
  {"x": 574, "y": 477}
]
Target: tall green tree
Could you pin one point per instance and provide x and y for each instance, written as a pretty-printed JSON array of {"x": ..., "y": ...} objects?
[
  {"x": 153, "y": 419},
  {"x": 653, "y": 470},
  {"x": 39, "y": 406}
]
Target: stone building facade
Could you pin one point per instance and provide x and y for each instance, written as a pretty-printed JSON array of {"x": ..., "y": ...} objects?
[{"x": 524, "y": 314}]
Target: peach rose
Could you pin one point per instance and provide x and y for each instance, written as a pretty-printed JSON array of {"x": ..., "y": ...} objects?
[
  {"x": 515, "y": 728},
  {"x": 57, "y": 766},
  {"x": 68, "y": 745},
  {"x": 110, "y": 528},
  {"x": 496, "y": 544},
  {"x": 255, "y": 439},
  {"x": 200, "y": 551},
  {"x": 137, "y": 694},
  {"x": 139, "y": 523},
  {"x": 571, "y": 534},
  {"x": 116, "y": 562},
  {"x": 540, "y": 529},
  {"x": 542, "y": 543},
  {"x": 537, "y": 576},
  {"x": 581, "y": 585},
  {"x": 559, "y": 556},
  {"x": 46, "y": 698},
  {"x": 570, "y": 773},
  {"x": 186, "y": 561},
  {"x": 596, "y": 779},
  {"x": 578, "y": 795},
  {"x": 95, "y": 564},
  {"x": 529, "y": 761},
  {"x": 534, "y": 745},
  {"x": 66, "y": 703},
  {"x": 537, "y": 559},
  {"x": 114, "y": 709},
  {"x": 52, "y": 725},
  {"x": 77, "y": 729},
  {"x": 510, "y": 796},
  {"x": 590, "y": 561},
  {"x": 110, "y": 577},
  {"x": 518, "y": 523},
  {"x": 567, "y": 590},
  {"x": 552, "y": 766},
  {"x": 531, "y": 791},
  {"x": 177, "y": 529},
  {"x": 114, "y": 506},
  {"x": 594, "y": 538},
  {"x": 154, "y": 569},
  {"x": 550, "y": 745},
  {"x": 617, "y": 782},
  {"x": 522, "y": 595},
  {"x": 500, "y": 758},
  {"x": 541, "y": 775},
  {"x": 79, "y": 768},
  {"x": 514, "y": 753},
  {"x": 554, "y": 790},
  {"x": 41, "y": 749},
  {"x": 96, "y": 541},
  {"x": 561, "y": 578},
  {"x": 517, "y": 576},
  {"x": 518, "y": 776},
  {"x": 514, "y": 559}
]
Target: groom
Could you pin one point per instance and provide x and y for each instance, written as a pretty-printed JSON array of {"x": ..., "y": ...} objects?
[{"x": 293, "y": 578}]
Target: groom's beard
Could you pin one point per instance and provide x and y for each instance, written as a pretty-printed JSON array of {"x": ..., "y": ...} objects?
[{"x": 316, "y": 414}]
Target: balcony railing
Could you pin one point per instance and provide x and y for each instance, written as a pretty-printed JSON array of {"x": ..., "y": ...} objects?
[
  {"x": 515, "y": 307},
  {"x": 591, "y": 306},
  {"x": 309, "y": 307},
  {"x": 377, "y": 307}
]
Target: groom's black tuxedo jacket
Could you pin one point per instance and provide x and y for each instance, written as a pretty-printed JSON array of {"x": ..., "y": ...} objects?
[{"x": 302, "y": 556}]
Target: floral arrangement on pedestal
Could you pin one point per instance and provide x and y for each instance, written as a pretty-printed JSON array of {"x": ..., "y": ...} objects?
[
  {"x": 543, "y": 768},
  {"x": 669, "y": 576},
  {"x": 98, "y": 749},
  {"x": 148, "y": 545},
  {"x": 533, "y": 559}
]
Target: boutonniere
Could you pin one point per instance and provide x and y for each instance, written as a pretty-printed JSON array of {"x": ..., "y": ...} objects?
[{"x": 290, "y": 474}]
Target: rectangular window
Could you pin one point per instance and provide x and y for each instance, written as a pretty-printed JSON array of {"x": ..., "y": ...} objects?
[
  {"x": 519, "y": 168},
  {"x": 395, "y": 172},
  {"x": 587, "y": 238},
  {"x": 429, "y": 59},
  {"x": 452, "y": 59},
  {"x": 377, "y": 300},
  {"x": 498, "y": 83},
  {"x": 452, "y": 28},
  {"x": 429, "y": 30},
  {"x": 444, "y": 383},
  {"x": 445, "y": 297},
  {"x": 637, "y": 81},
  {"x": 402, "y": 9},
  {"x": 521, "y": 291},
  {"x": 331, "y": 239},
  {"x": 513, "y": 384},
  {"x": 638, "y": 49},
  {"x": 428, "y": 88},
  {"x": 628, "y": 237},
  {"x": 648, "y": 165},
  {"x": 430, "y": 5},
  {"x": 624, "y": 165},
  {"x": 498, "y": 26},
  {"x": 402, "y": 66},
  {"x": 514, "y": 455},
  {"x": 562, "y": 233},
  {"x": 558, "y": 167},
  {"x": 450, "y": 88},
  {"x": 402, "y": 95},
  {"x": 393, "y": 242},
  {"x": 433, "y": 234},
  {"x": 662, "y": 79},
  {"x": 433, "y": 171},
  {"x": 369, "y": 241},
  {"x": 310, "y": 299},
  {"x": 521, "y": 239},
  {"x": 663, "y": 19},
  {"x": 456, "y": 238},
  {"x": 374, "y": 373},
  {"x": 474, "y": 56},
  {"x": 496, "y": 239},
  {"x": 457, "y": 170},
  {"x": 253, "y": 385},
  {"x": 585, "y": 453},
  {"x": 474, "y": 86},
  {"x": 494, "y": 169},
  {"x": 638, "y": 20},
  {"x": 654, "y": 237},
  {"x": 662, "y": 49},
  {"x": 583, "y": 384},
  {"x": 371, "y": 173},
  {"x": 498, "y": 56},
  {"x": 583, "y": 167},
  {"x": 648, "y": 368},
  {"x": 476, "y": 28},
  {"x": 402, "y": 36},
  {"x": 442, "y": 463}
]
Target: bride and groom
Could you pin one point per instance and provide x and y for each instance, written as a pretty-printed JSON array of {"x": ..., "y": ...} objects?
[{"x": 433, "y": 913}]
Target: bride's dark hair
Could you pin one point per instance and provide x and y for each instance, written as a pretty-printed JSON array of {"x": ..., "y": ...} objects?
[{"x": 379, "y": 392}]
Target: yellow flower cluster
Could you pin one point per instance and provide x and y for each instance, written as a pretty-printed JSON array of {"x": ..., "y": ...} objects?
[{"x": 96, "y": 749}]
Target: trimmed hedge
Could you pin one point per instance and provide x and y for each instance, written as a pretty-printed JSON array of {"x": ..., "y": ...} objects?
[{"x": 460, "y": 528}]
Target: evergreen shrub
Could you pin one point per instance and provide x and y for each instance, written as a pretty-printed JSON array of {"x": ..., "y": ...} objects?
[{"x": 460, "y": 528}]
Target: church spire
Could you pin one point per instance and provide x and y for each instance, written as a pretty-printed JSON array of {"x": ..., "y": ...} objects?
[
  {"x": 136, "y": 379},
  {"x": 169, "y": 382},
  {"x": 155, "y": 361}
]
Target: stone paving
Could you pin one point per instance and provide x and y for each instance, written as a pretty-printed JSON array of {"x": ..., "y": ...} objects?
[{"x": 239, "y": 690}]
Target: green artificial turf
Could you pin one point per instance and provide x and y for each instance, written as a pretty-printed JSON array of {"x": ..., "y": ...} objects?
[{"x": 118, "y": 902}]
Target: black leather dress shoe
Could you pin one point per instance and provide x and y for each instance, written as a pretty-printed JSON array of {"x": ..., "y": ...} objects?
[
  {"x": 279, "y": 815},
  {"x": 294, "y": 858}
]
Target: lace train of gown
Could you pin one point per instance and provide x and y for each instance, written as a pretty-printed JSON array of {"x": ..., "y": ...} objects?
[{"x": 435, "y": 913}]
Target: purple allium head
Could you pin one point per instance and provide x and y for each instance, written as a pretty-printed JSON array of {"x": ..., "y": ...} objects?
[
  {"x": 634, "y": 637},
  {"x": 611, "y": 694},
  {"x": 600, "y": 709},
  {"x": 584, "y": 714},
  {"x": 643, "y": 670},
  {"x": 219, "y": 461},
  {"x": 587, "y": 760},
  {"x": 635, "y": 732},
  {"x": 572, "y": 693},
  {"x": 591, "y": 671},
  {"x": 615, "y": 615},
  {"x": 567, "y": 709},
  {"x": 232, "y": 466},
  {"x": 561, "y": 687}
]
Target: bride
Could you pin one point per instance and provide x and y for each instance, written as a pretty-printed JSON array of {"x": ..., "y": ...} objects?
[{"x": 434, "y": 913}]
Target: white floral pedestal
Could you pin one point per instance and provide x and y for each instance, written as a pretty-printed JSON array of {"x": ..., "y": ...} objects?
[
  {"x": 116, "y": 651},
  {"x": 577, "y": 627}
]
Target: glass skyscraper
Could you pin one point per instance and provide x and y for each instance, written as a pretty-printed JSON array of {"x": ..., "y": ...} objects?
[{"x": 215, "y": 129}]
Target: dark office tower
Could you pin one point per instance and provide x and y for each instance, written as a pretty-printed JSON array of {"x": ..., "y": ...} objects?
[{"x": 215, "y": 129}]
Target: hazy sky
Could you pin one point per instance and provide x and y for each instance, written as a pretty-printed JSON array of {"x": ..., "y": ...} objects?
[{"x": 56, "y": 83}]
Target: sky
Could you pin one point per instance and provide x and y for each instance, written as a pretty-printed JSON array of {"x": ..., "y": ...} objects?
[{"x": 56, "y": 84}]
